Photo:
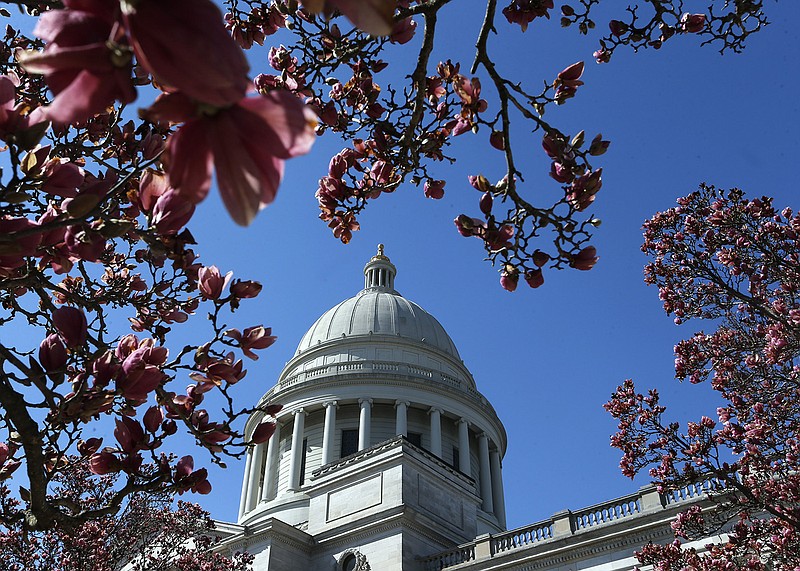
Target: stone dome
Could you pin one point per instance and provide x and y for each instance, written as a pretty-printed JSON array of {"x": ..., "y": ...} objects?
[{"x": 378, "y": 310}]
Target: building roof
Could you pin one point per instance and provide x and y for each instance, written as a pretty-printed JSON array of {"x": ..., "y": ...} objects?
[{"x": 378, "y": 309}]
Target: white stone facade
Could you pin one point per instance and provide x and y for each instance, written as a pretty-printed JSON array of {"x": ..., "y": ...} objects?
[{"x": 387, "y": 458}]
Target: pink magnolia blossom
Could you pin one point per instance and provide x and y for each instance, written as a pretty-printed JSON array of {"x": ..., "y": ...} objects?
[
  {"x": 534, "y": 278},
  {"x": 16, "y": 120},
  {"x": 52, "y": 353},
  {"x": 247, "y": 143},
  {"x": 372, "y": 16},
  {"x": 259, "y": 337},
  {"x": 171, "y": 212},
  {"x": 245, "y": 289},
  {"x": 211, "y": 283},
  {"x": 86, "y": 62},
  {"x": 104, "y": 462},
  {"x": 434, "y": 188},
  {"x": 263, "y": 432},
  {"x": 184, "y": 44},
  {"x": 141, "y": 371},
  {"x": 71, "y": 324},
  {"x": 509, "y": 279},
  {"x": 403, "y": 31},
  {"x": 523, "y": 12},
  {"x": 12, "y": 254},
  {"x": 585, "y": 259},
  {"x": 62, "y": 177},
  {"x": 693, "y": 23}
]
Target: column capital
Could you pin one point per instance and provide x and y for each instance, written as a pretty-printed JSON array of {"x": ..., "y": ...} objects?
[
  {"x": 329, "y": 403},
  {"x": 483, "y": 435},
  {"x": 362, "y": 402},
  {"x": 462, "y": 421},
  {"x": 434, "y": 409},
  {"x": 403, "y": 402},
  {"x": 300, "y": 410}
]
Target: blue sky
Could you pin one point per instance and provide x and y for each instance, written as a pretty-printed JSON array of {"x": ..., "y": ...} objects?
[{"x": 546, "y": 359}]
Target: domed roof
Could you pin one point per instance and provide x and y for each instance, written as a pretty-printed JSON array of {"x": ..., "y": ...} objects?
[{"x": 378, "y": 310}]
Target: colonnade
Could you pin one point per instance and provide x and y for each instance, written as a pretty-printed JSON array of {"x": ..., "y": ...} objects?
[{"x": 490, "y": 479}]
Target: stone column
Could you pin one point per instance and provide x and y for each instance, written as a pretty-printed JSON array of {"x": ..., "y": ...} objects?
[
  {"x": 297, "y": 449},
  {"x": 364, "y": 423},
  {"x": 246, "y": 482},
  {"x": 463, "y": 447},
  {"x": 269, "y": 491},
  {"x": 255, "y": 477},
  {"x": 486, "y": 474},
  {"x": 401, "y": 417},
  {"x": 436, "y": 432},
  {"x": 329, "y": 431},
  {"x": 498, "y": 496}
]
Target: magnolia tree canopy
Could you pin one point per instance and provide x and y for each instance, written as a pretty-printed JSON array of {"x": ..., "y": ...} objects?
[
  {"x": 735, "y": 262},
  {"x": 98, "y": 263}
]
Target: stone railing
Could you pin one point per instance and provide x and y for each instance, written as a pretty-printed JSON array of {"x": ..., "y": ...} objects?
[
  {"x": 522, "y": 536},
  {"x": 619, "y": 508},
  {"x": 414, "y": 371},
  {"x": 566, "y": 523},
  {"x": 449, "y": 558},
  {"x": 693, "y": 491}
]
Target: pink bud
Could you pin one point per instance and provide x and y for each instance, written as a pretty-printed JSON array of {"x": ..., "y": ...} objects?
[
  {"x": 211, "y": 283},
  {"x": 184, "y": 467},
  {"x": 104, "y": 463},
  {"x": 153, "y": 418},
  {"x": 263, "y": 432},
  {"x": 245, "y": 289},
  {"x": 52, "y": 354},
  {"x": 509, "y": 280},
  {"x": 71, "y": 324},
  {"x": 486, "y": 203},
  {"x": 617, "y": 28},
  {"x": 693, "y": 23},
  {"x": 497, "y": 140},
  {"x": 585, "y": 259},
  {"x": 273, "y": 409},
  {"x": 434, "y": 188},
  {"x": 540, "y": 258},
  {"x": 534, "y": 278},
  {"x": 89, "y": 446},
  {"x": 172, "y": 211}
]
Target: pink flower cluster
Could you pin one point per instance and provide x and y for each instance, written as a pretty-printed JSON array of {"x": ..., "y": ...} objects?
[{"x": 88, "y": 62}]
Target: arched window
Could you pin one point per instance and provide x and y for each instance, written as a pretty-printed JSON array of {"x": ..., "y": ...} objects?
[{"x": 349, "y": 563}]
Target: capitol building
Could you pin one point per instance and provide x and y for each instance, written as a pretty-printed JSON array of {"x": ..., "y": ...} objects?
[{"x": 387, "y": 457}]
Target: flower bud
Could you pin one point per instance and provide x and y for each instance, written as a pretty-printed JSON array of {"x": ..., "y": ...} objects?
[{"x": 71, "y": 324}]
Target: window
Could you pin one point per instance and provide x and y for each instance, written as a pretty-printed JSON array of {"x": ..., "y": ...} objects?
[
  {"x": 415, "y": 438},
  {"x": 349, "y": 442},
  {"x": 349, "y": 563},
  {"x": 303, "y": 461},
  {"x": 455, "y": 464}
]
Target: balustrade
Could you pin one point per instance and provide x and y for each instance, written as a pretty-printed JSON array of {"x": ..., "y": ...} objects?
[
  {"x": 605, "y": 512},
  {"x": 454, "y": 556},
  {"x": 522, "y": 536}
]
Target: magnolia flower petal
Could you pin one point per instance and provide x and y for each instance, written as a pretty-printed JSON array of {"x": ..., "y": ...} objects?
[
  {"x": 190, "y": 162},
  {"x": 83, "y": 97},
  {"x": 371, "y": 16},
  {"x": 238, "y": 176},
  {"x": 281, "y": 122},
  {"x": 184, "y": 44}
]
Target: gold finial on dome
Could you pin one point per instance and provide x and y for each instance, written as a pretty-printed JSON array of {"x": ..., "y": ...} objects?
[
  {"x": 379, "y": 272},
  {"x": 380, "y": 255}
]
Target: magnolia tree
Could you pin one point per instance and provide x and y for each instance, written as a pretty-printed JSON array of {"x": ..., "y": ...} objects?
[
  {"x": 96, "y": 261},
  {"x": 735, "y": 262},
  {"x": 148, "y": 534}
]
